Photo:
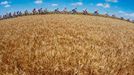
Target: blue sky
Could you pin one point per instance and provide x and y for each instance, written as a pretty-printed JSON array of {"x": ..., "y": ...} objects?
[{"x": 120, "y": 8}]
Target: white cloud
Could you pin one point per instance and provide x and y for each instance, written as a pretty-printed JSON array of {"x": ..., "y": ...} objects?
[
  {"x": 130, "y": 14},
  {"x": 104, "y": 5},
  {"x": 6, "y": 6},
  {"x": 38, "y": 1},
  {"x": 114, "y": 1},
  {"x": 121, "y": 11},
  {"x": 77, "y": 4},
  {"x": 125, "y": 14},
  {"x": 4, "y": 3},
  {"x": 54, "y": 5}
]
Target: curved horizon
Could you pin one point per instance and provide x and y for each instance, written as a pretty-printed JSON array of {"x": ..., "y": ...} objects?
[{"x": 118, "y": 7}]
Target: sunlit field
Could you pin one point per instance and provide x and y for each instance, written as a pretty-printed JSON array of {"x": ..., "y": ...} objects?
[{"x": 65, "y": 44}]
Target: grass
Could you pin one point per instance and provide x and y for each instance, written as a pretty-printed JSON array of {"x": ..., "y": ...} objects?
[{"x": 59, "y": 44}]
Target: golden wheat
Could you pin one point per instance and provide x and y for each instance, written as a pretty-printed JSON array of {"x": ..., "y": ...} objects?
[{"x": 59, "y": 44}]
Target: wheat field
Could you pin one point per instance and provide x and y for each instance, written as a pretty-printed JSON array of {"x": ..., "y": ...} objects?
[{"x": 63, "y": 44}]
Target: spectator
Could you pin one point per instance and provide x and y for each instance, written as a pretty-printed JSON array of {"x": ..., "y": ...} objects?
[
  {"x": 0, "y": 17},
  {"x": 74, "y": 11},
  {"x": 40, "y": 11},
  {"x": 128, "y": 19},
  {"x": 56, "y": 10},
  {"x": 85, "y": 12},
  {"x": 96, "y": 12},
  {"x": 133, "y": 21},
  {"x": 45, "y": 11},
  {"x": 7, "y": 15},
  {"x": 106, "y": 14},
  {"x": 34, "y": 11},
  {"x": 15, "y": 14},
  {"x": 10, "y": 15},
  {"x": 20, "y": 13},
  {"x": 113, "y": 16},
  {"x": 65, "y": 10},
  {"x": 26, "y": 12},
  {"x": 122, "y": 18}
]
